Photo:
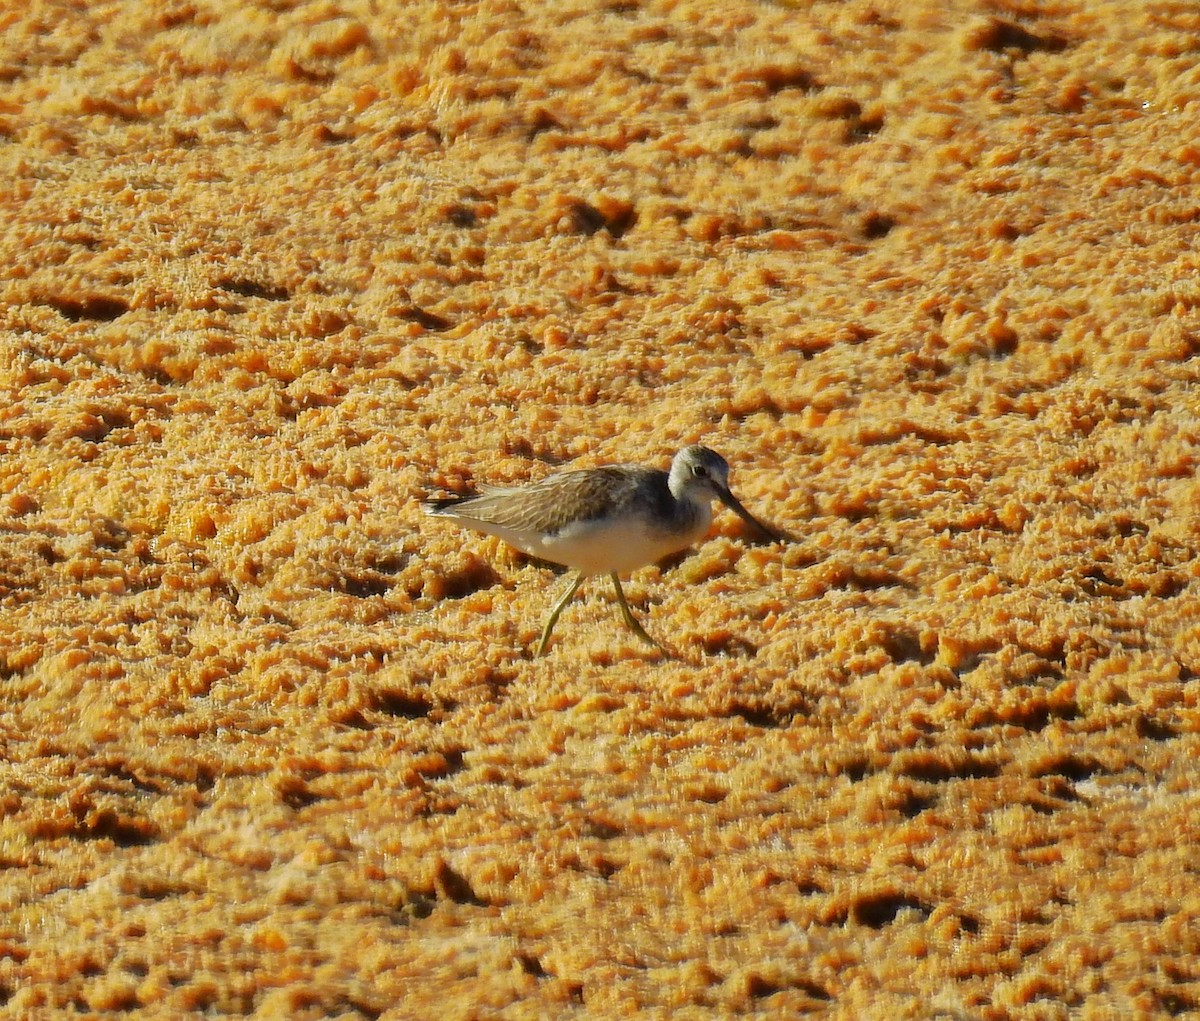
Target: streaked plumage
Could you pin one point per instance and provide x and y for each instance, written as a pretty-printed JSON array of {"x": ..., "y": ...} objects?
[{"x": 604, "y": 520}]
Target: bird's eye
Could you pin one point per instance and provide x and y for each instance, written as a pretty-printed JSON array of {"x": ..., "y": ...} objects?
[{"x": 698, "y": 470}]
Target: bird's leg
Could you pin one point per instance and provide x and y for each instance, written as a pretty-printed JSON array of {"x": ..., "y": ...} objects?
[
  {"x": 558, "y": 608},
  {"x": 630, "y": 620}
]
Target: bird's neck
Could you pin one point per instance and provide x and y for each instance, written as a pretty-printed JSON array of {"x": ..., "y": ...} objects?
[{"x": 695, "y": 510}]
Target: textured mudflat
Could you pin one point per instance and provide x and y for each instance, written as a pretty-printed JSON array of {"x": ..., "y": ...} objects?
[{"x": 925, "y": 273}]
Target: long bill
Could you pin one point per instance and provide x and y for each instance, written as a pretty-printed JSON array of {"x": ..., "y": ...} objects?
[{"x": 735, "y": 505}]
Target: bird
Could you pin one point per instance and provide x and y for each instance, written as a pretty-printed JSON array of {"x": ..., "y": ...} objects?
[{"x": 607, "y": 520}]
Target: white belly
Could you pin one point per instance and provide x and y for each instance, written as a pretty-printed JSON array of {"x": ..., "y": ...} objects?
[{"x": 603, "y": 546}]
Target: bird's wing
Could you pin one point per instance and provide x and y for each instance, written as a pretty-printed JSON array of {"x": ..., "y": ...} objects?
[{"x": 549, "y": 506}]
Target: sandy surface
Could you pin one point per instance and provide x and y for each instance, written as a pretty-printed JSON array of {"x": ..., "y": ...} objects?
[{"x": 274, "y": 742}]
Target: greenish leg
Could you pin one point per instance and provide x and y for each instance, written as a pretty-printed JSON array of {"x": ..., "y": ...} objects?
[
  {"x": 634, "y": 626},
  {"x": 558, "y": 608}
]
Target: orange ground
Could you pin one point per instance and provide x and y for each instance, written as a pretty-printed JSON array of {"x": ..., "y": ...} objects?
[{"x": 926, "y": 273}]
